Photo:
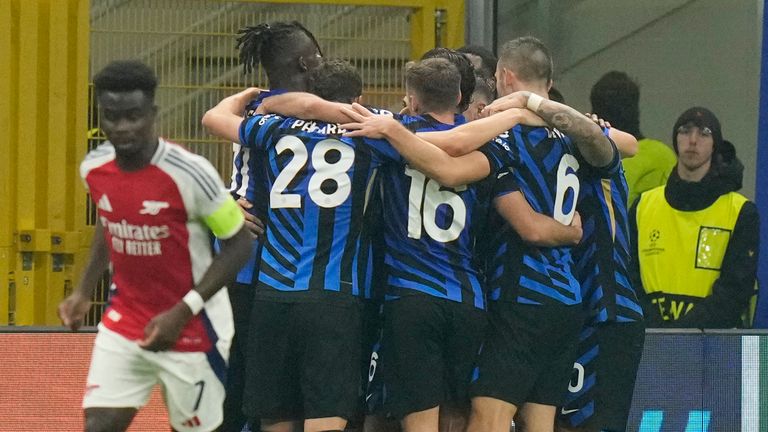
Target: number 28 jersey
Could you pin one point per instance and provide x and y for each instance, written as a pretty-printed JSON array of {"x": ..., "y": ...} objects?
[{"x": 319, "y": 186}]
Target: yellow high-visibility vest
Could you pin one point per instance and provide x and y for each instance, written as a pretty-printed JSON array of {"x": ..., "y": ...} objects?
[{"x": 680, "y": 252}]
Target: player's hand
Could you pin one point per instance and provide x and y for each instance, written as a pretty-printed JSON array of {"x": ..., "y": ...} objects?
[
  {"x": 162, "y": 331},
  {"x": 514, "y": 100},
  {"x": 249, "y": 94},
  {"x": 243, "y": 98},
  {"x": 254, "y": 224},
  {"x": 481, "y": 113},
  {"x": 600, "y": 122},
  {"x": 366, "y": 123},
  {"x": 578, "y": 230},
  {"x": 73, "y": 309},
  {"x": 357, "y": 113}
]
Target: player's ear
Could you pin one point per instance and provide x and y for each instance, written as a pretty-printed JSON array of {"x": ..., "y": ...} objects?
[
  {"x": 508, "y": 77},
  {"x": 358, "y": 100},
  {"x": 550, "y": 83},
  {"x": 412, "y": 104}
]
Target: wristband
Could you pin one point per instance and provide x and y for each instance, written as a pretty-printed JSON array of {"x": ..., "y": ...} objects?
[
  {"x": 195, "y": 301},
  {"x": 534, "y": 101}
]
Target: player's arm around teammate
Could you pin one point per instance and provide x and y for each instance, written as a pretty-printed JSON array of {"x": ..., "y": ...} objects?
[
  {"x": 535, "y": 228},
  {"x": 424, "y": 156},
  {"x": 305, "y": 106},
  {"x": 470, "y": 136},
  {"x": 436, "y": 160},
  {"x": 458, "y": 141},
  {"x": 586, "y": 133},
  {"x": 224, "y": 119},
  {"x": 625, "y": 142}
]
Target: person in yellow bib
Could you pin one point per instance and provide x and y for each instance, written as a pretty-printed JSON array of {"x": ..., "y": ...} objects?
[{"x": 696, "y": 237}]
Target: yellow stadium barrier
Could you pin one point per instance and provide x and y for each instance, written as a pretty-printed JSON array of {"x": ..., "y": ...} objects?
[
  {"x": 48, "y": 123},
  {"x": 43, "y": 83}
]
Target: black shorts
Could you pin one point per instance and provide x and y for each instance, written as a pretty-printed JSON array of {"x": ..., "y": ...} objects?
[
  {"x": 429, "y": 350},
  {"x": 241, "y": 297},
  {"x": 373, "y": 382},
  {"x": 600, "y": 393},
  {"x": 303, "y": 360},
  {"x": 528, "y": 353}
]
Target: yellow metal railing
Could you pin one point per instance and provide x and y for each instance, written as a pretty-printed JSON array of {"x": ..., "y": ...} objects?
[
  {"x": 52, "y": 47},
  {"x": 43, "y": 83},
  {"x": 191, "y": 45}
]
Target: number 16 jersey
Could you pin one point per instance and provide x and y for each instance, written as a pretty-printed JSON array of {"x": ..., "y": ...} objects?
[
  {"x": 319, "y": 186},
  {"x": 430, "y": 230}
]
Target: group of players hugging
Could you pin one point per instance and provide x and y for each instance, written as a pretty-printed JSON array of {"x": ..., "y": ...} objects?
[{"x": 417, "y": 270}]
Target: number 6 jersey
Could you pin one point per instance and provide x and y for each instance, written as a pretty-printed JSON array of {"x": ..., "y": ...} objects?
[
  {"x": 319, "y": 185},
  {"x": 543, "y": 166}
]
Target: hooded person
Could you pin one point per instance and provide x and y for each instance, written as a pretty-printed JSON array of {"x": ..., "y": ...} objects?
[{"x": 696, "y": 236}]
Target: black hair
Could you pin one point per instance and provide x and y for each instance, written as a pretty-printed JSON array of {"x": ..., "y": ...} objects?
[
  {"x": 615, "y": 97},
  {"x": 124, "y": 76},
  {"x": 466, "y": 71},
  {"x": 336, "y": 80},
  {"x": 273, "y": 45},
  {"x": 529, "y": 58},
  {"x": 436, "y": 83},
  {"x": 490, "y": 81},
  {"x": 489, "y": 60},
  {"x": 485, "y": 87}
]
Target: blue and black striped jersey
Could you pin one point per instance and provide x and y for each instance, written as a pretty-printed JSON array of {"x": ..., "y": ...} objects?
[
  {"x": 319, "y": 184},
  {"x": 430, "y": 230},
  {"x": 249, "y": 182},
  {"x": 247, "y": 173},
  {"x": 602, "y": 256},
  {"x": 542, "y": 164},
  {"x": 372, "y": 243}
]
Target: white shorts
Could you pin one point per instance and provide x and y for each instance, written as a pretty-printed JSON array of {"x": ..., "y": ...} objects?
[{"x": 122, "y": 376}]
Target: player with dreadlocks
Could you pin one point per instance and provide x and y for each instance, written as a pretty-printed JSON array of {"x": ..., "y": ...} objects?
[{"x": 288, "y": 52}]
